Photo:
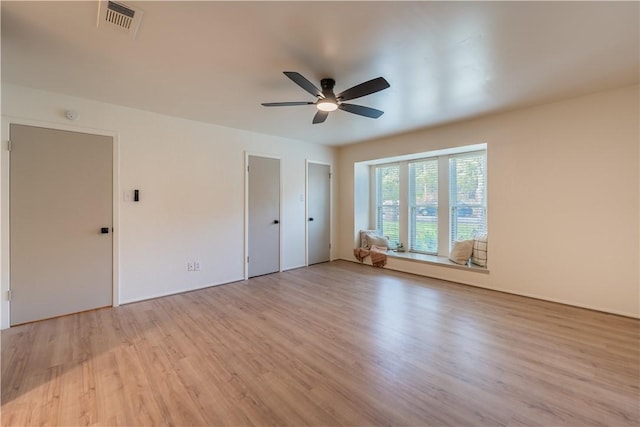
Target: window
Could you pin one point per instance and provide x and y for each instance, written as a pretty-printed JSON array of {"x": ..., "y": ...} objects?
[
  {"x": 388, "y": 202},
  {"x": 467, "y": 199},
  {"x": 432, "y": 200},
  {"x": 423, "y": 206}
]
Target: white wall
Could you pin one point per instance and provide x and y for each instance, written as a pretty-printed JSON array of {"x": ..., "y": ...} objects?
[
  {"x": 563, "y": 199},
  {"x": 191, "y": 181},
  {"x": 564, "y": 195}
]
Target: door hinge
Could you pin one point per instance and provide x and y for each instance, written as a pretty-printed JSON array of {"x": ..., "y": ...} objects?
[
  {"x": 9, "y": 145},
  {"x": 247, "y": 259},
  {"x": 329, "y": 245},
  {"x": 247, "y": 169},
  {"x": 329, "y": 175},
  {"x": 9, "y": 295}
]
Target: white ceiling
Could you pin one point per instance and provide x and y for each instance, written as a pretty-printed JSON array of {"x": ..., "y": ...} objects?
[{"x": 217, "y": 61}]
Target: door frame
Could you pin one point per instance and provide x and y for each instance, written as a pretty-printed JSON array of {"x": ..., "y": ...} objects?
[
  {"x": 246, "y": 208},
  {"x": 5, "y": 176},
  {"x": 306, "y": 208}
]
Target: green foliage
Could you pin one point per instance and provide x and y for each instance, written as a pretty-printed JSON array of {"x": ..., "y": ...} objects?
[
  {"x": 466, "y": 231},
  {"x": 390, "y": 229},
  {"x": 390, "y": 178},
  {"x": 468, "y": 174},
  {"x": 426, "y": 237},
  {"x": 425, "y": 176}
]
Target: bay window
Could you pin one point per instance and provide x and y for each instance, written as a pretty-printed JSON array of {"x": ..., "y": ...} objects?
[{"x": 429, "y": 201}]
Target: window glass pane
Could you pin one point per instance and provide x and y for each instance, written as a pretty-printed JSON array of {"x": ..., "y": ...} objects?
[
  {"x": 467, "y": 183},
  {"x": 423, "y": 206},
  {"x": 388, "y": 201}
]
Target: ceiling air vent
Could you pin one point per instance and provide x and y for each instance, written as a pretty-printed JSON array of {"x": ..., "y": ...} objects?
[{"x": 120, "y": 17}]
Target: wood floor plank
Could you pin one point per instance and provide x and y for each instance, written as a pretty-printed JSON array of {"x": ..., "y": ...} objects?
[{"x": 335, "y": 344}]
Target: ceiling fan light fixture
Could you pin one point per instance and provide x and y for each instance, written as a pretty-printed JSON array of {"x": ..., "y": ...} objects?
[
  {"x": 327, "y": 101},
  {"x": 327, "y": 105}
]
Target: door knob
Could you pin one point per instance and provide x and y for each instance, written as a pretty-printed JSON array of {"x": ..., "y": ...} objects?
[
  {"x": 104, "y": 230},
  {"x": 275, "y": 221},
  {"x": 310, "y": 219}
]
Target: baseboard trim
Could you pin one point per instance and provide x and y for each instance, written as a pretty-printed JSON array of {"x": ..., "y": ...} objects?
[
  {"x": 182, "y": 291},
  {"x": 512, "y": 292}
]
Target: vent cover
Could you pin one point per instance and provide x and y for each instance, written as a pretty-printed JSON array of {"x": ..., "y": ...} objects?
[{"x": 119, "y": 16}]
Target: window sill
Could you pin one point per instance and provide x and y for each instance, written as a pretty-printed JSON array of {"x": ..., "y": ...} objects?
[{"x": 436, "y": 260}]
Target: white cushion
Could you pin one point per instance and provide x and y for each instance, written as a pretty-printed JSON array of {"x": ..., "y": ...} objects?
[
  {"x": 461, "y": 251},
  {"x": 364, "y": 238},
  {"x": 479, "y": 254},
  {"x": 377, "y": 240},
  {"x": 369, "y": 238}
]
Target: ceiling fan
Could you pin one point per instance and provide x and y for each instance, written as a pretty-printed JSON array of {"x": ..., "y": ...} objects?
[{"x": 328, "y": 101}]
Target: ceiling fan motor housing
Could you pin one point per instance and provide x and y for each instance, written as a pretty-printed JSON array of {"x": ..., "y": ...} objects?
[{"x": 327, "y": 87}]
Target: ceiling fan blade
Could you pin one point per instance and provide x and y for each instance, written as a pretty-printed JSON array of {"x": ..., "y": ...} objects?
[
  {"x": 320, "y": 117},
  {"x": 363, "y": 89},
  {"x": 361, "y": 111},
  {"x": 285, "y": 104},
  {"x": 304, "y": 83}
]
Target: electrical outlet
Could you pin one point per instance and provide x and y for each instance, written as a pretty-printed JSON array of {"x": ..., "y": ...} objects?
[
  {"x": 190, "y": 266},
  {"x": 196, "y": 265}
]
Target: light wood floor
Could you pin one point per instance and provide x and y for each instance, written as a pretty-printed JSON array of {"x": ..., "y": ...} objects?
[{"x": 334, "y": 344}]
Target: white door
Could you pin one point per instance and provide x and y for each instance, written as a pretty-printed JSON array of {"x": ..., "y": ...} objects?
[
  {"x": 264, "y": 215},
  {"x": 318, "y": 213},
  {"x": 60, "y": 222}
]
